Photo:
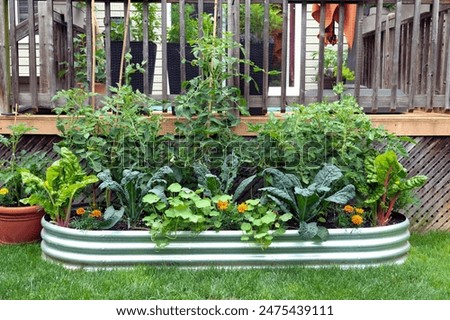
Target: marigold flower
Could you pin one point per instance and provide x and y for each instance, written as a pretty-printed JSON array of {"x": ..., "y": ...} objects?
[
  {"x": 359, "y": 211},
  {"x": 4, "y": 191},
  {"x": 348, "y": 209},
  {"x": 80, "y": 211},
  {"x": 242, "y": 207},
  {"x": 357, "y": 219},
  {"x": 222, "y": 205},
  {"x": 96, "y": 213}
]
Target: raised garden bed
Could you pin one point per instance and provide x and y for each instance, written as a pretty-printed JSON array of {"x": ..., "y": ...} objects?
[{"x": 105, "y": 249}]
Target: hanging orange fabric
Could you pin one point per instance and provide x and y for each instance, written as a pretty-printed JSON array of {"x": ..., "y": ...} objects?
[{"x": 332, "y": 16}]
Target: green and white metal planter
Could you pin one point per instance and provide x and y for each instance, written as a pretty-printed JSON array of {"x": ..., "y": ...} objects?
[{"x": 109, "y": 249}]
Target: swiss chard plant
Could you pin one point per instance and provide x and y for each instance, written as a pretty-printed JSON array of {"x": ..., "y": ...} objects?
[
  {"x": 389, "y": 182},
  {"x": 131, "y": 189},
  {"x": 63, "y": 181}
]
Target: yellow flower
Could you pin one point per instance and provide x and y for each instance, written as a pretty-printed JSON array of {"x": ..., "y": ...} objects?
[
  {"x": 242, "y": 207},
  {"x": 4, "y": 191},
  {"x": 222, "y": 205},
  {"x": 357, "y": 219},
  {"x": 348, "y": 209},
  {"x": 80, "y": 211},
  {"x": 359, "y": 211},
  {"x": 96, "y": 214}
]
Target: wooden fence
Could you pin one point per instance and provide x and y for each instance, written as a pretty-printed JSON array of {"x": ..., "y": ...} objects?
[
  {"x": 384, "y": 82},
  {"x": 414, "y": 55}
]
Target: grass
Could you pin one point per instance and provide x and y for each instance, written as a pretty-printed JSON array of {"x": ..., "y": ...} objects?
[{"x": 425, "y": 275}]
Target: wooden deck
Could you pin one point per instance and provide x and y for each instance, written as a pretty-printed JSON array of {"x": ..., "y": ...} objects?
[{"x": 418, "y": 123}]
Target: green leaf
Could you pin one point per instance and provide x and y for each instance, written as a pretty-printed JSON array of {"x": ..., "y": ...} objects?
[
  {"x": 112, "y": 216},
  {"x": 202, "y": 203},
  {"x": 151, "y": 198},
  {"x": 174, "y": 187},
  {"x": 245, "y": 226},
  {"x": 322, "y": 233},
  {"x": 269, "y": 217},
  {"x": 243, "y": 187},
  {"x": 307, "y": 231},
  {"x": 343, "y": 196},
  {"x": 285, "y": 217},
  {"x": 326, "y": 176}
]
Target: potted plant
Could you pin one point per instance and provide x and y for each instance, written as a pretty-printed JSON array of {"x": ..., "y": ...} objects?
[
  {"x": 18, "y": 223},
  {"x": 257, "y": 40},
  {"x": 136, "y": 45},
  {"x": 330, "y": 62},
  {"x": 173, "y": 45}
]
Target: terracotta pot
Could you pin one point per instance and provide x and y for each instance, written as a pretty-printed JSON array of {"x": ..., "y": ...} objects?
[{"x": 20, "y": 224}]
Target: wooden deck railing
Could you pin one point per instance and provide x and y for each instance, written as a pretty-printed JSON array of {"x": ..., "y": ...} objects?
[{"x": 412, "y": 71}]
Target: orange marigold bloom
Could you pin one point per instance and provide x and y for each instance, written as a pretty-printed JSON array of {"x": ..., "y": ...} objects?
[
  {"x": 222, "y": 205},
  {"x": 357, "y": 219},
  {"x": 348, "y": 209},
  {"x": 242, "y": 207},
  {"x": 96, "y": 213},
  {"x": 80, "y": 211},
  {"x": 359, "y": 211}
]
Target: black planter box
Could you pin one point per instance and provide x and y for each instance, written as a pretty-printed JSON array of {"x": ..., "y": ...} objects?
[
  {"x": 136, "y": 50},
  {"x": 257, "y": 57},
  {"x": 173, "y": 66}
]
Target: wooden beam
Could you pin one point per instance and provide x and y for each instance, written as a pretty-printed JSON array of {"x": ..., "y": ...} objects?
[{"x": 410, "y": 124}]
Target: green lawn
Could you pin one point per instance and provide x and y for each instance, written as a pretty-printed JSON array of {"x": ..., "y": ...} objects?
[{"x": 425, "y": 275}]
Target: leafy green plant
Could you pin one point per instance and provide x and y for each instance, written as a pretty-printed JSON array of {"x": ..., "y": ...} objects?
[
  {"x": 191, "y": 24},
  {"x": 136, "y": 24},
  {"x": 80, "y": 60},
  {"x": 115, "y": 136},
  {"x": 260, "y": 222},
  {"x": 182, "y": 209},
  {"x": 257, "y": 20},
  {"x": 326, "y": 132},
  {"x": 64, "y": 180},
  {"x": 131, "y": 189},
  {"x": 214, "y": 185},
  {"x": 330, "y": 64},
  {"x": 308, "y": 204},
  {"x": 389, "y": 182},
  {"x": 12, "y": 188},
  {"x": 208, "y": 111}
]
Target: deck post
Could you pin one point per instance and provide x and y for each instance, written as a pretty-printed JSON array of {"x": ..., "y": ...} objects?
[{"x": 4, "y": 58}]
